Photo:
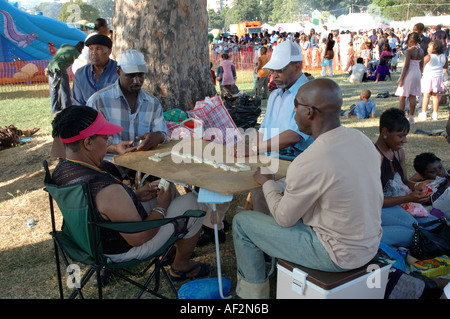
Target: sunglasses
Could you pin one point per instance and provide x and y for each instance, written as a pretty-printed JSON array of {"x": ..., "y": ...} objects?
[
  {"x": 107, "y": 138},
  {"x": 296, "y": 103}
]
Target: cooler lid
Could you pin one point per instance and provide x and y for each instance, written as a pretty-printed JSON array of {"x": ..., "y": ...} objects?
[{"x": 329, "y": 280}]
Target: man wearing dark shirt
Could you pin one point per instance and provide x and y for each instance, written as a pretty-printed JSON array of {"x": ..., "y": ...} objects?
[
  {"x": 420, "y": 29},
  {"x": 442, "y": 36}
]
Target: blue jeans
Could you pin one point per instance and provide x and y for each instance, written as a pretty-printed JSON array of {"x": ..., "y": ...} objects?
[
  {"x": 397, "y": 225},
  {"x": 255, "y": 233}
]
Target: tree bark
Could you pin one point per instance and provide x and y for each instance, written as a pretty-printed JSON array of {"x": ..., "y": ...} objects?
[{"x": 173, "y": 36}]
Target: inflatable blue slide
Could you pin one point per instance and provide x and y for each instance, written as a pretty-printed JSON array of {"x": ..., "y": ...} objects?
[{"x": 26, "y": 37}]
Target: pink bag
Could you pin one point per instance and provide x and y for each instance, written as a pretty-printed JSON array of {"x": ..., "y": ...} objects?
[
  {"x": 217, "y": 123},
  {"x": 187, "y": 128},
  {"x": 415, "y": 209}
]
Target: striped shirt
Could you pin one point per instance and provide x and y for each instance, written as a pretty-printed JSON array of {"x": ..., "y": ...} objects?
[{"x": 113, "y": 105}]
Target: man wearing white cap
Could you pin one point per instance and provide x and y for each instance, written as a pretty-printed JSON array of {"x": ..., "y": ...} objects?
[
  {"x": 279, "y": 135},
  {"x": 125, "y": 103}
]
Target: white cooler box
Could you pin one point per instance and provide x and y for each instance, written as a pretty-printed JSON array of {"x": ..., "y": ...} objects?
[{"x": 298, "y": 282}]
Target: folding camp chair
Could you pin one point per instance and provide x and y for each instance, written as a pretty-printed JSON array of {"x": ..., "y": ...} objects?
[{"x": 79, "y": 240}]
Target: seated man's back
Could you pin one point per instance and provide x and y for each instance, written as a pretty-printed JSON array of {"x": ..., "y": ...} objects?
[
  {"x": 358, "y": 71},
  {"x": 339, "y": 195}
]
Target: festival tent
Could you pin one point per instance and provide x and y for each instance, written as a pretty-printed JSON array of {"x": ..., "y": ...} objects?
[
  {"x": 316, "y": 17},
  {"x": 432, "y": 20},
  {"x": 26, "y": 37},
  {"x": 288, "y": 27},
  {"x": 358, "y": 21},
  {"x": 267, "y": 27}
]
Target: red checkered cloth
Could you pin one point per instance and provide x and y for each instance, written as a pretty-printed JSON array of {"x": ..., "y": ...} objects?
[{"x": 217, "y": 122}]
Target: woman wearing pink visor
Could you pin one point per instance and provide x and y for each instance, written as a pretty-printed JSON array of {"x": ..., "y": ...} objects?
[{"x": 85, "y": 134}]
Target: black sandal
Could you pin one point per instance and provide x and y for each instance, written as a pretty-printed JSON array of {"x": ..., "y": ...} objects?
[{"x": 205, "y": 270}]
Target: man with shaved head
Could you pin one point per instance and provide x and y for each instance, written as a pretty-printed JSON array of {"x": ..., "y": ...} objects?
[{"x": 328, "y": 215}]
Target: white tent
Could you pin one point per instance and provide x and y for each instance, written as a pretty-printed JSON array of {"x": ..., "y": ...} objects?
[
  {"x": 358, "y": 21},
  {"x": 288, "y": 27},
  {"x": 432, "y": 20},
  {"x": 267, "y": 27}
]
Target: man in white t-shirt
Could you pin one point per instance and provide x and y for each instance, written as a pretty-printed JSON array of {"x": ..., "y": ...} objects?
[
  {"x": 393, "y": 41},
  {"x": 324, "y": 34},
  {"x": 358, "y": 72}
]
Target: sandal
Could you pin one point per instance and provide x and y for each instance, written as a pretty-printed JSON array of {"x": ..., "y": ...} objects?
[
  {"x": 171, "y": 257},
  {"x": 205, "y": 270}
]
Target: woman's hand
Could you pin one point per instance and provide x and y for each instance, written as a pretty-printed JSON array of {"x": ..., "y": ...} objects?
[
  {"x": 419, "y": 196},
  {"x": 147, "y": 191},
  {"x": 164, "y": 198},
  {"x": 422, "y": 186},
  {"x": 122, "y": 147}
]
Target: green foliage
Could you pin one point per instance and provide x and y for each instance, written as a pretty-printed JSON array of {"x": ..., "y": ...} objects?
[
  {"x": 49, "y": 9},
  {"x": 246, "y": 10},
  {"x": 402, "y": 10},
  {"x": 105, "y": 8},
  {"x": 285, "y": 11},
  {"x": 215, "y": 20},
  {"x": 76, "y": 10},
  {"x": 270, "y": 11}
]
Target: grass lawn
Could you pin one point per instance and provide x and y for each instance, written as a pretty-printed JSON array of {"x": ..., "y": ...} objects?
[{"x": 27, "y": 259}]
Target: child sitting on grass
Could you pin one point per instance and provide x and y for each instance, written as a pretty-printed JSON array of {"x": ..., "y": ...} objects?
[{"x": 365, "y": 108}]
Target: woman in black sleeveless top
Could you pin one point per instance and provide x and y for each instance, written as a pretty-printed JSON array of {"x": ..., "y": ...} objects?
[
  {"x": 85, "y": 133},
  {"x": 396, "y": 221}
]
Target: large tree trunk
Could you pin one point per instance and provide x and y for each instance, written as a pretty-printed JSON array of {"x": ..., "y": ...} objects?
[{"x": 173, "y": 36}]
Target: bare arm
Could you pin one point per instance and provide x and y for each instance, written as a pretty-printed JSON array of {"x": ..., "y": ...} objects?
[
  {"x": 418, "y": 193},
  {"x": 426, "y": 59},
  {"x": 405, "y": 68},
  {"x": 279, "y": 142},
  {"x": 114, "y": 204}
]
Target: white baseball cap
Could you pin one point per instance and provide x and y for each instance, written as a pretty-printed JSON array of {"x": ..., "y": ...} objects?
[
  {"x": 283, "y": 54},
  {"x": 132, "y": 61}
]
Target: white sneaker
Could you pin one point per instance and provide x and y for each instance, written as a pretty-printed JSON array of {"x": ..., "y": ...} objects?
[
  {"x": 411, "y": 119},
  {"x": 434, "y": 116},
  {"x": 422, "y": 116}
]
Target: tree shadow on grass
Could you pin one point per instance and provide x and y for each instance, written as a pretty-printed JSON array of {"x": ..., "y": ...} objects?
[{"x": 22, "y": 167}]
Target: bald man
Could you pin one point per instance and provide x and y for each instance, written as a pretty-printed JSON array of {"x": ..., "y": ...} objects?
[{"x": 328, "y": 215}]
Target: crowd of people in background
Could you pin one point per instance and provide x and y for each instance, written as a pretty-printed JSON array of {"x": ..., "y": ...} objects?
[
  {"x": 366, "y": 44},
  {"x": 370, "y": 55}
]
